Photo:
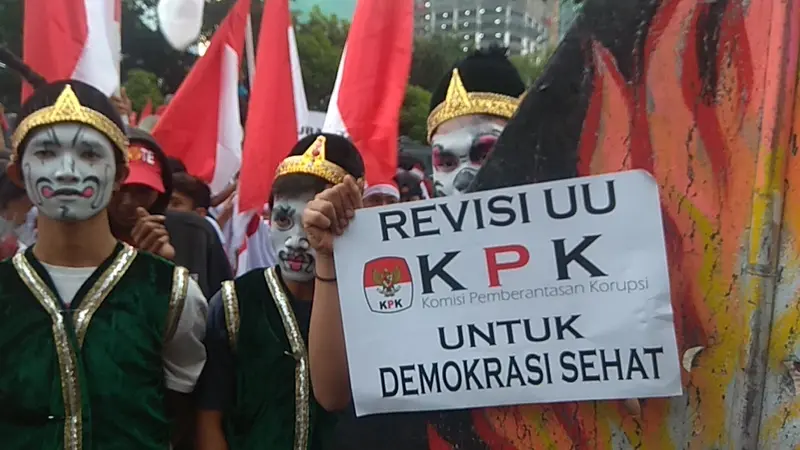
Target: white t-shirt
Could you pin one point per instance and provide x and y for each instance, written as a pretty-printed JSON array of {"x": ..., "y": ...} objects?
[{"x": 184, "y": 354}]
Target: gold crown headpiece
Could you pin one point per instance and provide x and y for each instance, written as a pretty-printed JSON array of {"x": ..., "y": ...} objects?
[
  {"x": 68, "y": 109},
  {"x": 459, "y": 102},
  {"x": 313, "y": 162}
]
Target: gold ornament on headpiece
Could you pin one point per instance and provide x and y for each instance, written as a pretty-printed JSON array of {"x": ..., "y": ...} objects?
[
  {"x": 459, "y": 102},
  {"x": 68, "y": 109},
  {"x": 313, "y": 162}
]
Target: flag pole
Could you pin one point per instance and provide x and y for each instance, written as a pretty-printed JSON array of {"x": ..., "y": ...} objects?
[
  {"x": 250, "y": 51},
  {"x": 116, "y": 41}
]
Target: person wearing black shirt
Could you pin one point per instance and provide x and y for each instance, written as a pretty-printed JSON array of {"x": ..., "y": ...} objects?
[{"x": 198, "y": 248}]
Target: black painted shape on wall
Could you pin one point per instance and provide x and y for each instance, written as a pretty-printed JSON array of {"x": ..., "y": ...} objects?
[{"x": 541, "y": 142}]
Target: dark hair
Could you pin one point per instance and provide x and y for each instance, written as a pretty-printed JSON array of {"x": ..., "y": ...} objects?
[
  {"x": 408, "y": 184},
  {"x": 407, "y": 161},
  {"x": 484, "y": 70},
  {"x": 144, "y": 139},
  {"x": 193, "y": 188},
  {"x": 9, "y": 191}
]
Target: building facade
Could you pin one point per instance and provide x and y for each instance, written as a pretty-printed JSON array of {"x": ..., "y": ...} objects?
[{"x": 524, "y": 26}]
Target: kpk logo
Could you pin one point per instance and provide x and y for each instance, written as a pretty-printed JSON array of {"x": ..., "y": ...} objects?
[{"x": 387, "y": 285}]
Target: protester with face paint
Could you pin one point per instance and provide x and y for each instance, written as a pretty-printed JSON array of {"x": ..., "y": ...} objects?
[
  {"x": 255, "y": 392},
  {"x": 462, "y": 133},
  {"x": 102, "y": 344}
]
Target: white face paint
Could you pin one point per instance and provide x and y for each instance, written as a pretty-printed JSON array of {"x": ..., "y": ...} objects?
[
  {"x": 69, "y": 171},
  {"x": 459, "y": 153},
  {"x": 289, "y": 240}
]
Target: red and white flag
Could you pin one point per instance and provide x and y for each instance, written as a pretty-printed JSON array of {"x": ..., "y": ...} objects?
[
  {"x": 201, "y": 126},
  {"x": 277, "y": 106},
  {"x": 371, "y": 86},
  {"x": 73, "y": 39}
]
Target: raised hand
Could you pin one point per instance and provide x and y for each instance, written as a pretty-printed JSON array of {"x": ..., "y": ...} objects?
[
  {"x": 122, "y": 103},
  {"x": 330, "y": 213},
  {"x": 150, "y": 234}
]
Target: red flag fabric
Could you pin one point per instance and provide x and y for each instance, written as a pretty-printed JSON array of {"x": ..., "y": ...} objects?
[
  {"x": 371, "y": 85},
  {"x": 271, "y": 129},
  {"x": 201, "y": 126},
  {"x": 72, "y": 39}
]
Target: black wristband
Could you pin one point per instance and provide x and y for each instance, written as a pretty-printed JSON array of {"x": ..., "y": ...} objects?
[{"x": 325, "y": 280}]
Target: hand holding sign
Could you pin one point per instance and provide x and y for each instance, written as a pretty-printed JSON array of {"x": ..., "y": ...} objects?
[{"x": 330, "y": 213}]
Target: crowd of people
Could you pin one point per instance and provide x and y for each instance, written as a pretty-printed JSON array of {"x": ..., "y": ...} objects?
[{"x": 123, "y": 325}]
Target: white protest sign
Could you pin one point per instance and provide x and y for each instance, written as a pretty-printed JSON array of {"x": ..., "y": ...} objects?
[{"x": 543, "y": 293}]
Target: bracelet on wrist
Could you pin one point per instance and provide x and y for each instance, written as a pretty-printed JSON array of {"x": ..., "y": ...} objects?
[{"x": 325, "y": 279}]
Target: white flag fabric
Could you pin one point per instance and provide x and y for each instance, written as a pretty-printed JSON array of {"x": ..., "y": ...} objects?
[{"x": 180, "y": 21}]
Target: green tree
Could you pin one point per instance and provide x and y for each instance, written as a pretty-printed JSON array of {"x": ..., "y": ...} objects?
[
  {"x": 433, "y": 57},
  {"x": 320, "y": 41},
  {"x": 531, "y": 66},
  {"x": 414, "y": 114},
  {"x": 142, "y": 86}
]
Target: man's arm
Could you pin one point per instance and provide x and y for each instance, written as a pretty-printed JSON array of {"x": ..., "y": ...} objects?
[
  {"x": 217, "y": 384},
  {"x": 327, "y": 357},
  {"x": 184, "y": 358},
  {"x": 325, "y": 217}
]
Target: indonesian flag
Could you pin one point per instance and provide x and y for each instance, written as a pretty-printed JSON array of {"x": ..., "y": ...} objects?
[
  {"x": 277, "y": 106},
  {"x": 180, "y": 21},
  {"x": 73, "y": 39},
  {"x": 371, "y": 86},
  {"x": 201, "y": 125},
  {"x": 387, "y": 285}
]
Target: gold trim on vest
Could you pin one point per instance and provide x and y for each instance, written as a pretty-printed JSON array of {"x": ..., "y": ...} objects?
[
  {"x": 177, "y": 299},
  {"x": 302, "y": 384},
  {"x": 230, "y": 304},
  {"x": 100, "y": 290},
  {"x": 67, "y": 360}
]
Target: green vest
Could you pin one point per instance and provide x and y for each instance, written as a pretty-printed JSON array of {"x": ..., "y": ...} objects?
[
  {"x": 274, "y": 407},
  {"x": 90, "y": 376}
]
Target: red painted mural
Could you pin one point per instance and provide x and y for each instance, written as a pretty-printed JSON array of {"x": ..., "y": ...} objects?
[{"x": 702, "y": 95}]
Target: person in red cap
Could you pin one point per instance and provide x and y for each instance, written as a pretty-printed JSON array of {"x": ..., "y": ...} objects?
[{"x": 136, "y": 210}]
